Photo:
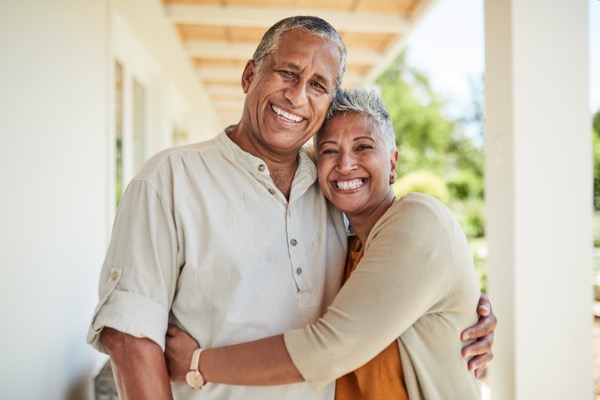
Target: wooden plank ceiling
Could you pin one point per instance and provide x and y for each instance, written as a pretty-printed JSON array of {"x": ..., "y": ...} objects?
[{"x": 221, "y": 35}]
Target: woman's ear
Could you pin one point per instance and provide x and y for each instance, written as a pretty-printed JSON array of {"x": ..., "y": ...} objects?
[
  {"x": 248, "y": 75},
  {"x": 393, "y": 162}
]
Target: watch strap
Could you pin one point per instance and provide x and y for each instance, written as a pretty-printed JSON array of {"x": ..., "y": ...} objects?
[
  {"x": 194, "y": 377},
  {"x": 195, "y": 360}
]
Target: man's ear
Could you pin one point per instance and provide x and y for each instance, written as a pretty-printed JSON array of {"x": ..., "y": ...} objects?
[{"x": 248, "y": 75}]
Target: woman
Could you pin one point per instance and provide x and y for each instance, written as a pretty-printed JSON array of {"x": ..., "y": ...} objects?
[{"x": 410, "y": 286}]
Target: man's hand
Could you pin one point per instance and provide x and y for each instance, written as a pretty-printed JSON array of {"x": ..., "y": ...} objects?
[
  {"x": 480, "y": 351},
  {"x": 138, "y": 366},
  {"x": 178, "y": 353}
]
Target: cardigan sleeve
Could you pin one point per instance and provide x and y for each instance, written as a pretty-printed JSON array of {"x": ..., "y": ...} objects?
[{"x": 406, "y": 272}]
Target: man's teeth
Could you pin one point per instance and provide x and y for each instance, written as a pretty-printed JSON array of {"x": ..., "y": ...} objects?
[
  {"x": 286, "y": 115},
  {"x": 349, "y": 185}
]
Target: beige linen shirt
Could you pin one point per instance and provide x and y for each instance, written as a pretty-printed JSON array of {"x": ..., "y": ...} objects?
[
  {"x": 204, "y": 239},
  {"x": 416, "y": 284}
]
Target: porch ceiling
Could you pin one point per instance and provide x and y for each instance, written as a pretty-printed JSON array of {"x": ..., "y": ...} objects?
[{"x": 221, "y": 35}]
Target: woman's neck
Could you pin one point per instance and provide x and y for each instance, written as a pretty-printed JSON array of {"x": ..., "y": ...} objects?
[{"x": 363, "y": 223}]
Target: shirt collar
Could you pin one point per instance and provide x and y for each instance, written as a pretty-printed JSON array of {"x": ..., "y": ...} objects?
[{"x": 306, "y": 173}]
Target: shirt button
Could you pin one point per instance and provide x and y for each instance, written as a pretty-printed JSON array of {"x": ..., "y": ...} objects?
[
  {"x": 293, "y": 242},
  {"x": 299, "y": 271},
  {"x": 271, "y": 190},
  {"x": 114, "y": 275},
  {"x": 261, "y": 167}
]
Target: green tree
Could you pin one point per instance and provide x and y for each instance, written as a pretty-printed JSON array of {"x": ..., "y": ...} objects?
[
  {"x": 596, "y": 149},
  {"x": 422, "y": 133},
  {"x": 431, "y": 144},
  {"x": 436, "y": 155}
]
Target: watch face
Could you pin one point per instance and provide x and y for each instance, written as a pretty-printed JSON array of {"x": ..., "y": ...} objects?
[{"x": 194, "y": 379}]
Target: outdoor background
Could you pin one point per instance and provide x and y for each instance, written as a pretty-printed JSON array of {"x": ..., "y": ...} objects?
[{"x": 434, "y": 93}]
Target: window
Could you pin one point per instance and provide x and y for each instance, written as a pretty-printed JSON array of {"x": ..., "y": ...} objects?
[
  {"x": 118, "y": 132},
  {"x": 130, "y": 128}
]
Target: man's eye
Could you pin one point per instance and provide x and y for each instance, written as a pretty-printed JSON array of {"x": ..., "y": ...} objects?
[
  {"x": 287, "y": 74},
  {"x": 318, "y": 87}
]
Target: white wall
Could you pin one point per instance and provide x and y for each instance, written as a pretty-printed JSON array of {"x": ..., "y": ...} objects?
[
  {"x": 53, "y": 106},
  {"x": 56, "y": 168},
  {"x": 166, "y": 70}
]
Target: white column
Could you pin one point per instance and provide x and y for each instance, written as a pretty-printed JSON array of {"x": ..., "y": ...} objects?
[{"x": 539, "y": 197}]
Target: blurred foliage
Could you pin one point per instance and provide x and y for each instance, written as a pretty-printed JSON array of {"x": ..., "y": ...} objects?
[
  {"x": 597, "y": 229},
  {"x": 435, "y": 154},
  {"x": 424, "y": 182},
  {"x": 596, "y": 149},
  {"x": 480, "y": 252}
]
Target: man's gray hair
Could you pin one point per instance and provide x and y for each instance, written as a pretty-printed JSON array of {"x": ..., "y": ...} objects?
[
  {"x": 362, "y": 101},
  {"x": 309, "y": 24}
]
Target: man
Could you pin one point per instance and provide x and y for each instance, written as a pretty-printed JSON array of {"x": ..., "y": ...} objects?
[{"x": 231, "y": 239}]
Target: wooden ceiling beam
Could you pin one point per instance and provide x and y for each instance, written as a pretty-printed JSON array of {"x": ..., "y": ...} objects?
[
  {"x": 235, "y": 75},
  {"x": 240, "y": 51},
  {"x": 226, "y": 91},
  {"x": 265, "y": 17}
]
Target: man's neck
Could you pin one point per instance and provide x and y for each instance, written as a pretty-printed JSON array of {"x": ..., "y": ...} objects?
[{"x": 282, "y": 168}]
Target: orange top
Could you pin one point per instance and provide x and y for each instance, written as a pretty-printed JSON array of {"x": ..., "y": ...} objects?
[{"x": 380, "y": 378}]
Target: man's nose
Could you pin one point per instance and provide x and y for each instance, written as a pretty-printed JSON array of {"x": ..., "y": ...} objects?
[{"x": 296, "y": 93}]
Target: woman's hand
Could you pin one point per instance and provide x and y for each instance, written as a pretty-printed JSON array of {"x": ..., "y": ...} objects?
[
  {"x": 178, "y": 353},
  {"x": 480, "y": 351}
]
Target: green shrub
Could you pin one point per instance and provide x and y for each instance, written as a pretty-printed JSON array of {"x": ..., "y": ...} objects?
[
  {"x": 479, "y": 250},
  {"x": 423, "y": 182}
]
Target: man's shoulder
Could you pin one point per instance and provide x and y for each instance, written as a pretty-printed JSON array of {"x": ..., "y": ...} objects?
[
  {"x": 173, "y": 158},
  {"x": 184, "y": 151}
]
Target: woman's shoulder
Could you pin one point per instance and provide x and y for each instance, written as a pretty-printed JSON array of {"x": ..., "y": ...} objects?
[
  {"x": 420, "y": 205},
  {"x": 422, "y": 199}
]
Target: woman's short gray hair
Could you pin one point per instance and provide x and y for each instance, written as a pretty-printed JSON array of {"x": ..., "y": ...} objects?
[
  {"x": 309, "y": 24},
  {"x": 361, "y": 101}
]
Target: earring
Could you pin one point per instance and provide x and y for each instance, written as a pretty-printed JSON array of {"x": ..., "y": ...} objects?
[{"x": 392, "y": 179}]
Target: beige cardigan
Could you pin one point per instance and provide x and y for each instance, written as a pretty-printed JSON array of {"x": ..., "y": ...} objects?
[{"x": 415, "y": 283}]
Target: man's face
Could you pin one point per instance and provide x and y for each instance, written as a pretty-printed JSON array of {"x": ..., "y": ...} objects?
[{"x": 287, "y": 97}]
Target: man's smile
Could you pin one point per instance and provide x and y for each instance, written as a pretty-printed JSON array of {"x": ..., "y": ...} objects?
[{"x": 286, "y": 115}]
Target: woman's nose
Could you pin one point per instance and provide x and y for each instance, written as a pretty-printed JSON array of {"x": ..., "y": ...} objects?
[{"x": 346, "y": 162}]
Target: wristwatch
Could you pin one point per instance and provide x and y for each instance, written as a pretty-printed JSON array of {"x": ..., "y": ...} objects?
[{"x": 194, "y": 378}]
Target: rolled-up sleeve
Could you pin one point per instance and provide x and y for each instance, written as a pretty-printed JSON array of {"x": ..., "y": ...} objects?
[{"x": 139, "y": 274}]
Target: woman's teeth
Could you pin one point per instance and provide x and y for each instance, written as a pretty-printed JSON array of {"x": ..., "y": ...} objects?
[{"x": 349, "y": 185}]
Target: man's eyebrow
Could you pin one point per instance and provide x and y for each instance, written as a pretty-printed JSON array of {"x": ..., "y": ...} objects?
[{"x": 319, "y": 77}]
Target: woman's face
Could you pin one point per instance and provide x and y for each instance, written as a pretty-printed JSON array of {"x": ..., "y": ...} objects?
[{"x": 355, "y": 163}]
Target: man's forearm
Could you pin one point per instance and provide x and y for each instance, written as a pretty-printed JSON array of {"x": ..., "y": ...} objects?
[{"x": 138, "y": 366}]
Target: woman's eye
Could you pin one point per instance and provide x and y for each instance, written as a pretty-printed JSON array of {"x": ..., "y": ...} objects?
[
  {"x": 363, "y": 147},
  {"x": 328, "y": 151}
]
